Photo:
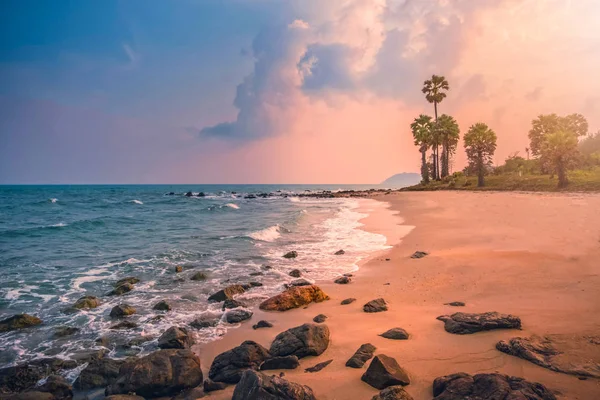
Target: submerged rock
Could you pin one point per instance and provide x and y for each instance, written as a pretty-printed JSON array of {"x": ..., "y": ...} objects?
[
  {"x": 291, "y": 254},
  {"x": 58, "y": 387},
  {"x": 162, "y": 306},
  {"x": 86, "y": 302},
  {"x": 295, "y": 273},
  {"x": 262, "y": 324},
  {"x": 19, "y": 321},
  {"x": 230, "y": 303},
  {"x": 132, "y": 280},
  {"x": 198, "y": 276},
  {"x": 226, "y": 293},
  {"x": 395, "y": 334},
  {"x": 124, "y": 325},
  {"x": 463, "y": 323},
  {"x": 318, "y": 367},
  {"x": 320, "y": 318},
  {"x": 205, "y": 321},
  {"x": 162, "y": 373},
  {"x": 419, "y": 254},
  {"x": 301, "y": 341},
  {"x": 257, "y": 386},
  {"x": 384, "y": 371},
  {"x": 98, "y": 373},
  {"x": 293, "y": 298},
  {"x": 348, "y": 301},
  {"x": 342, "y": 280},
  {"x": 487, "y": 386},
  {"x": 229, "y": 366},
  {"x": 298, "y": 282},
  {"x": 122, "y": 310},
  {"x": 377, "y": 305},
  {"x": 285, "y": 362},
  {"x": 393, "y": 393},
  {"x": 62, "y": 331},
  {"x": 124, "y": 397},
  {"x": 175, "y": 338},
  {"x": 178, "y": 269},
  {"x": 120, "y": 290},
  {"x": 237, "y": 315},
  {"x": 361, "y": 356}
]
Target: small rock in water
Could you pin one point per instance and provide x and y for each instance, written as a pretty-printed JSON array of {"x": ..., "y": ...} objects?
[
  {"x": 230, "y": 303},
  {"x": 285, "y": 362},
  {"x": 320, "y": 318},
  {"x": 339, "y": 252},
  {"x": 395, "y": 334},
  {"x": 122, "y": 289},
  {"x": 211, "y": 386},
  {"x": 464, "y": 323},
  {"x": 205, "y": 322},
  {"x": 262, "y": 324},
  {"x": 393, "y": 393},
  {"x": 291, "y": 254},
  {"x": 298, "y": 282},
  {"x": 226, "y": 293},
  {"x": 376, "y": 305},
  {"x": 178, "y": 269},
  {"x": 175, "y": 338},
  {"x": 19, "y": 321},
  {"x": 198, "y": 276},
  {"x": 384, "y": 371},
  {"x": 266, "y": 267},
  {"x": 58, "y": 386},
  {"x": 258, "y": 386},
  {"x": 162, "y": 306},
  {"x": 237, "y": 315},
  {"x": 122, "y": 310},
  {"x": 342, "y": 280},
  {"x": 255, "y": 284},
  {"x": 125, "y": 325},
  {"x": 189, "y": 194},
  {"x": 348, "y": 301},
  {"x": 295, "y": 273},
  {"x": 87, "y": 302},
  {"x": 361, "y": 356},
  {"x": 318, "y": 367},
  {"x": 256, "y": 273},
  {"x": 419, "y": 254},
  {"x": 63, "y": 331},
  {"x": 130, "y": 279},
  {"x": 349, "y": 275},
  {"x": 455, "y": 304}
]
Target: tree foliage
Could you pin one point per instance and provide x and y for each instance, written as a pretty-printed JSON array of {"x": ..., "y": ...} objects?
[
  {"x": 435, "y": 91},
  {"x": 422, "y": 128},
  {"x": 547, "y": 124},
  {"x": 559, "y": 149},
  {"x": 480, "y": 145},
  {"x": 448, "y": 134}
]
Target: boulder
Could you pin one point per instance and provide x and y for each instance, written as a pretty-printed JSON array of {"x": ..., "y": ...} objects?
[
  {"x": 291, "y": 254},
  {"x": 320, "y": 318},
  {"x": 376, "y": 305},
  {"x": 162, "y": 373},
  {"x": 230, "y": 303},
  {"x": 229, "y": 366},
  {"x": 384, "y": 371},
  {"x": 226, "y": 293},
  {"x": 62, "y": 331},
  {"x": 301, "y": 341},
  {"x": 237, "y": 315},
  {"x": 348, "y": 301},
  {"x": 419, "y": 254},
  {"x": 211, "y": 386},
  {"x": 190, "y": 394},
  {"x": 318, "y": 367},
  {"x": 58, "y": 387},
  {"x": 124, "y": 397},
  {"x": 262, "y": 324},
  {"x": 175, "y": 338},
  {"x": 32, "y": 395},
  {"x": 293, "y": 298},
  {"x": 122, "y": 310},
  {"x": 24, "y": 376},
  {"x": 19, "y": 321},
  {"x": 488, "y": 386},
  {"x": 295, "y": 273},
  {"x": 132, "y": 280},
  {"x": 257, "y": 386},
  {"x": 189, "y": 194},
  {"x": 298, "y": 282},
  {"x": 455, "y": 304},
  {"x": 393, "y": 393},
  {"x": 162, "y": 306},
  {"x": 124, "y": 325},
  {"x": 339, "y": 253},
  {"x": 198, "y": 276},
  {"x": 464, "y": 324},
  {"x": 286, "y": 362},
  {"x": 122, "y": 289},
  {"x": 98, "y": 373},
  {"x": 201, "y": 194},
  {"x": 86, "y": 302},
  {"x": 395, "y": 334},
  {"x": 343, "y": 280},
  {"x": 361, "y": 356},
  {"x": 205, "y": 321}
]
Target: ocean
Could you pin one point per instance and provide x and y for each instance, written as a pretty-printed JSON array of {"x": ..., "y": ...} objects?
[{"x": 59, "y": 243}]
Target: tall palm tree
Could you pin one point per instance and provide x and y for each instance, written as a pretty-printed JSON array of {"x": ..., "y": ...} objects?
[
  {"x": 422, "y": 132},
  {"x": 558, "y": 149},
  {"x": 480, "y": 146},
  {"x": 434, "y": 90},
  {"x": 449, "y": 133}
]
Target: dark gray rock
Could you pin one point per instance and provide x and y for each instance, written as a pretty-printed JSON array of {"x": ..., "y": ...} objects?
[
  {"x": 162, "y": 306},
  {"x": 62, "y": 331},
  {"x": 342, "y": 280},
  {"x": 295, "y": 273},
  {"x": 291, "y": 254},
  {"x": 86, "y": 302},
  {"x": 361, "y": 356},
  {"x": 262, "y": 324},
  {"x": 301, "y": 341},
  {"x": 455, "y": 304},
  {"x": 463, "y": 323},
  {"x": 395, "y": 334},
  {"x": 19, "y": 321},
  {"x": 24, "y": 376},
  {"x": 205, "y": 321},
  {"x": 298, "y": 282},
  {"x": 256, "y": 273},
  {"x": 124, "y": 325},
  {"x": 488, "y": 386},
  {"x": 255, "y": 284},
  {"x": 98, "y": 373},
  {"x": 320, "y": 318},
  {"x": 257, "y": 386},
  {"x": 384, "y": 371},
  {"x": 286, "y": 362},
  {"x": 229, "y": 366},
  {"x": 419, "y": 254},
  {"x": 32, "y": 395},
  {"x": 339, "y": 252},
  {"x": 226, "y": 293},
  {"x": 318, "y": 367},
  {"x": 120, "y": 290},
  {"x": 198, "y": 276},
  {"x": 377, "y": 305},
  {"x": 58, "y": 387},
  {"x": 211, "y": 386},
  {"x": 175, "y": 338},
  {"x": 132, "y": 280},
  {"x": 122, "y": 310},
  {"x": 348, "y": 301},
  {"x": 393, "y": 393},
  {"x": 230, "y": 303},
  {"x": 237, "y": 315}
]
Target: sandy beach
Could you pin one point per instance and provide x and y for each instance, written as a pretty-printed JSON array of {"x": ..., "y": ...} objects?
[{"x": 535, "y": 256}]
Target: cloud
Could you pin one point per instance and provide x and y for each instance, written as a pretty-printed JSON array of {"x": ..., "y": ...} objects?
[{"x": 535, "y": 94}]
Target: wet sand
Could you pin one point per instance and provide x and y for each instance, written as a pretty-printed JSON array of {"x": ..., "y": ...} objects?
[{"x": 536, "y": 256}]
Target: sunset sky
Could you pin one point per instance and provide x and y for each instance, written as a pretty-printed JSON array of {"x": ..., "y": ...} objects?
[{"x": 276, "y": 91}]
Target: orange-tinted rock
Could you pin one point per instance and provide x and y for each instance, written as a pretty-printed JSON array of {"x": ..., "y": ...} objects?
[{"x": 293, "y": 298}]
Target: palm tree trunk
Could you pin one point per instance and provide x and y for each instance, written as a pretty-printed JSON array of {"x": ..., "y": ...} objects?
[
  {"x": 480, "y": 171},
  {"x": 424, "y": 169},
  {"x": 436, "y": 160},
  {"x": 562, "y": 174},
  {"x": 445, "y": 160}
]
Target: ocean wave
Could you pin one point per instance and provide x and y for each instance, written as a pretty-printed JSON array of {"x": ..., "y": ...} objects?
[
  {"x": 136, "y": 202},
  {"x": 269, "y": 234},
  {"x": 53, "y": 200},
  {"x": 231, "y": 205},
  {"x": 59, "y": 225}
]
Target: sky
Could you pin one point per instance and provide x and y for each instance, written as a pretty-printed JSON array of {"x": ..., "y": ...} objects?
[{"x": 276, "y": 91}]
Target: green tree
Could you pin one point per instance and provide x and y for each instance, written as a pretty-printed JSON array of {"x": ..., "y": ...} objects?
[
  {"x": 559, "y": 149},
  {"x": 480, "y": 145},
  {"x": 449, "y": 134},
  {"x": 434, "y": 90},
  {"x": 551, "y": 123},
  {"x": 422, "y": 133}
]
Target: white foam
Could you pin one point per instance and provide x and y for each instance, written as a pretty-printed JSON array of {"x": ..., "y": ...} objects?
[
  {"x": 59, "y": 225},
  {"x": 269, "y": 234},
  {"x": 53, "y": 200},
  {"x": 231, "y": 205},
  {"x": 136, "y": 202}
]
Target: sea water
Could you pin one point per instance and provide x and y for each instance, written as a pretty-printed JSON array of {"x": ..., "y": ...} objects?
[{"x": 59, "y": 243}]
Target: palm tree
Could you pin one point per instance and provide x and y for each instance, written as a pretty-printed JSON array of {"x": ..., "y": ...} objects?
[
  {"x": 422, "y": 133},
  {"x": 434, "y": 89},
  {"x": 480, "y": 145},
  {"x": 527, "y": 151},
  {"x": 559, "y": 149},
  {"x": 449, "y": 133}
]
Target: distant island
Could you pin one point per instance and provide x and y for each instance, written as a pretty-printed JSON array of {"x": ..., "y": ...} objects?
[{"x": 401, "y": 180}]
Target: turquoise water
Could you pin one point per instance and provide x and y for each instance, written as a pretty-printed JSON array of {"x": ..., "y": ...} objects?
[{"x": 58, "y": 243}]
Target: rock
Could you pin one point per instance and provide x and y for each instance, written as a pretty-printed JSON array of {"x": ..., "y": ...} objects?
[
  {"x": 455, "y": 304},
  {"x": 32, "y": 395},
  {"x": 393, "y": 393},
  {"x": 226, "y": 293},
  {"x": 267, "y": 267},
  {"x": 301, "y": 341},
  {"x": 342, "y": 280},
  {"x": 262, "y": 324},
  {"x": 395, "y": 334},
  {"x": 384, "y": 371},
  {"x": 86, "y": 356},
  {"x": 361, "y": 356},
  {"x": 124, "y": 397},
  {"x": 569, "y": 354},
  {"x": 175, "y": 338},
  {"x": 86, "y": 302},
  {"x": 132, "y": 280},
  {"x": 124, "y": 325},
  {"x": 318, "y": 367},
  {"x": 205, "y": 321},
  {"x": 190, "y": 394},
  {"x": 198, "y": 276},
  {"x": 419, "y": 254},
  {"x": 255, "y": 284},
  {"x": 211, "y": 386},
  {"x": 62, "y": 331},
  {"x": 201, "y": 194},
  {"x": 488, "y": 386},
  {"x": 122, "y": 310},
  {"x": 286, "y": 362},
  {"x": 463, "y": 323},
  {"x": 229, "y": 366},
  {"x": 119, "y": 290},
  {"x": 230, "y": 303},
  {"x": 291, "y": 254},
  {"x": 376, "y": 305},
  {"x": 24, "y": 376},
  {"x": 162, "y": 306},
  {"x": 98, "y": 373},
  {"x": 339, "y": 253},
  {"x": 178, "y": 269},
  {"x": 298, "y": 282},
  {"x": 348, "y": 301},
  {"x": 237, "y": 315},
  {"x": 257, "y": 386},
  {"x": 320, "y": 318},
  {"x": 58, "y": 387},
  {"x": 256, "y": 273},
  {"x": 190, "y": 297},
  {"x": 162, "y": 373},
  {"x": 295, "y": 273},
  {"x": 19, "y": 321},
  {"x": 293, "y": 298}
]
